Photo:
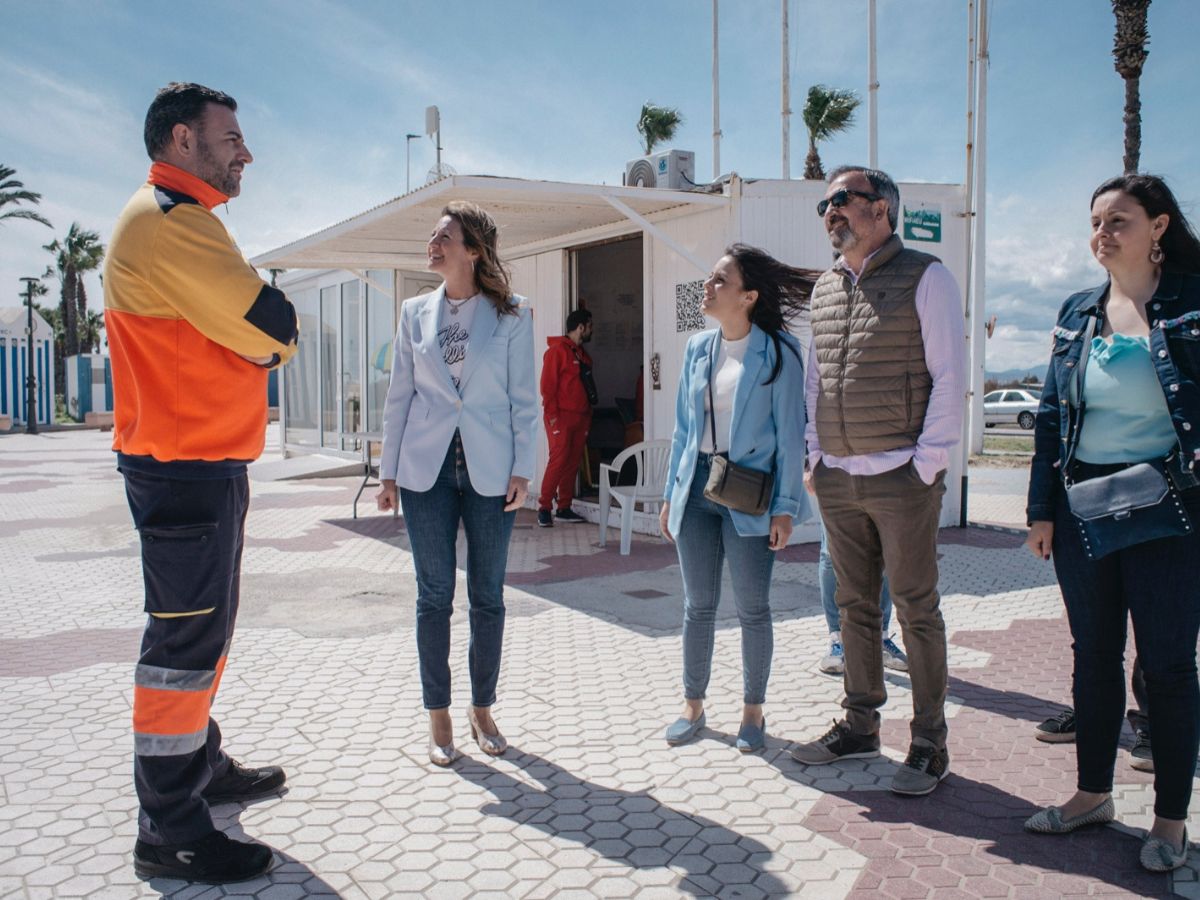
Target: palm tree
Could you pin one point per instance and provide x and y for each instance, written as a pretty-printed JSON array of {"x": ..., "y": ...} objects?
[
  {"x": 826, "y": 112},
  {"x": 657, "y": 124},
  {"x": 1129, "y": 55},
  {"x": 89, "y": 332},
  {"x": 80, "y": 252},
  {"x": 13, "y": 192}
]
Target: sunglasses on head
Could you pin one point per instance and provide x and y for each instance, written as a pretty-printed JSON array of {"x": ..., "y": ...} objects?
[{"x": 842, "y": 197}]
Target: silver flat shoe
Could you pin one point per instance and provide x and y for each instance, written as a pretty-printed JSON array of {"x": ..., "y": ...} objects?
[
  {"x": 491, "y": 744},
  {"x": 443, "y": 755},
  {"x": 1160, "y": 856},
  {"x": 1050, "y": 820}
]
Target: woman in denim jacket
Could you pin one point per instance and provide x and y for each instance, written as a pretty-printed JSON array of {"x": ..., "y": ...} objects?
[
  {"x": 1141, "y": 401},
  {"x": 750, "y": 367}
]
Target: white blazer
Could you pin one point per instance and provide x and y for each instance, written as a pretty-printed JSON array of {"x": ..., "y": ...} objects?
[{"x": 494, "y": 408}]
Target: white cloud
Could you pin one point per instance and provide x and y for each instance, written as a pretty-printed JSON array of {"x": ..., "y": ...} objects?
[{"x": 1028, "y": 278}]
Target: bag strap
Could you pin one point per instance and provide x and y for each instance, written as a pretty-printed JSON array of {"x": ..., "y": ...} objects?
[
  {"x": 1080, "y": 377},
  {"x": 712, "y": 403}
]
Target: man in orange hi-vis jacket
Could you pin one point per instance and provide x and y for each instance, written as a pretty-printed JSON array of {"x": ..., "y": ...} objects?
[{"x": 192, "y": 331}]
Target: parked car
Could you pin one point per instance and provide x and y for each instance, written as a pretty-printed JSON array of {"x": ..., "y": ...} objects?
[{"x": 1011, "y": 406}]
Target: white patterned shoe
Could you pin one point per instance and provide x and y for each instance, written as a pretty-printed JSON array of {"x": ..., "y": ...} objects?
[{"x": 1051, "y": 821}]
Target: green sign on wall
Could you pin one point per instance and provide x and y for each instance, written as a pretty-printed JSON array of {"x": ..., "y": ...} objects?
[{"x": 923, "y": 223}]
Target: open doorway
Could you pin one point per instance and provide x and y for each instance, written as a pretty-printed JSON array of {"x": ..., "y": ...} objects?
[{"x": 606, "y": 279}]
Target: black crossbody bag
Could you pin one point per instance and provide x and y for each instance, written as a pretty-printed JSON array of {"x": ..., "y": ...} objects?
[
  {"x": 1134, "y": 505},
  {"x": 586, "y": 378},
  {"x": 736, "y": 487}
]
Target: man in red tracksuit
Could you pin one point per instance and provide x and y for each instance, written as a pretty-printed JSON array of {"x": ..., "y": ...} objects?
[{"x": 568, "y": 394}]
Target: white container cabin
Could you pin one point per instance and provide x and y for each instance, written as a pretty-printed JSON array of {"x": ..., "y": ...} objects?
[{"x": 634, "y": 256}]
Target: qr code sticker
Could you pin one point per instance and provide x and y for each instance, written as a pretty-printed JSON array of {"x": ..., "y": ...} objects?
[{"x": 688, "y": 316}]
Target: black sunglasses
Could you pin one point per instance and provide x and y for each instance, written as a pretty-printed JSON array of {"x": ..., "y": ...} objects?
[{"x": 842, "y": 197}]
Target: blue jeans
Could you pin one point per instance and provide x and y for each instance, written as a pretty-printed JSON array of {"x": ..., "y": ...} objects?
[
  {"x": 431, "y": 518},
  {"x": 1155, "y": 584},
  {"x": 706, "y": 537},
  {"x": 827, "y": 580}
]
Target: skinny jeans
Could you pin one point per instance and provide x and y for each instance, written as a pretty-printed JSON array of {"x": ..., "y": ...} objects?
[
  {"x": 1155, "y": 584},
  {"x": 432, "y": 518},
  {"x": 707, "y": 537}
]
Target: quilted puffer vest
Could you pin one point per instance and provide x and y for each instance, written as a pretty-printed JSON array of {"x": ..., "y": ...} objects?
[{"x": 874, "y": 387}]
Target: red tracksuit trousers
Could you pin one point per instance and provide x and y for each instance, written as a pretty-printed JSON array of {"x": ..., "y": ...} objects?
[{"x": 567, "y": 439}]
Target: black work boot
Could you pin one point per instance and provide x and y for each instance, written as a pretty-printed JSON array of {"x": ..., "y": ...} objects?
[
  {"x": 213, "y": 859},
  {"x": 240, "y": 783}
]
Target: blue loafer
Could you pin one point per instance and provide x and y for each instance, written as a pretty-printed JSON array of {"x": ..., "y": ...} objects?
[
  {"x": 683, "y": 730},
  {"x": 752, "y": 737}
]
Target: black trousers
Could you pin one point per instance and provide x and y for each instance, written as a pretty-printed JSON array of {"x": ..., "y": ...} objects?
[
  {"x": 192, "y": 533},
  {"x": 1153, "y": 583}
]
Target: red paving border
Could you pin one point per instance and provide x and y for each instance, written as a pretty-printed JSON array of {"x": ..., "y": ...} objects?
[{"x": 966, "y": 839}]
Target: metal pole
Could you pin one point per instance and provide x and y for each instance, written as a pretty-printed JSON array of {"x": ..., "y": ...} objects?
[
  {"x": 787, "y": 93},
  {"x": 716, "y": 94},
  {"x": 969, "y": 219},
  {"x": 872, "y": 91},
  {"x": 408, "y": 139},
  {"x": 978, "y": 264},
  {"x": 30, "y": 372}
]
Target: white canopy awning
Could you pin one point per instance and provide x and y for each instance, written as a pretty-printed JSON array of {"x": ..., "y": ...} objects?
[{"x": 528, "y": 213}]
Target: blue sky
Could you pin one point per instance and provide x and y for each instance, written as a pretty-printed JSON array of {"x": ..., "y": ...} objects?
[{"x": 530, "y": 88}]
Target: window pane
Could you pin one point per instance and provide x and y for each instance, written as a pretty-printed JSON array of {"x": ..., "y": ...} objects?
[
  {"x": 351, "y": 363},
  {"x": 381, "y": 329},
  {"x": 301, "y": 394},
  {"x": 330, "y": 315}
]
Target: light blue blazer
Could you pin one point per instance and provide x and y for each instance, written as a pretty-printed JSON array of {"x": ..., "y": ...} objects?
[
  {"x": 766, "y": 433},
  {"x": 494, "y": 409}
]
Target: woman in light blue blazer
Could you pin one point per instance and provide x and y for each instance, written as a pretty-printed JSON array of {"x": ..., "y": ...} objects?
[
  {"x": 757, "y": 414},
  {"x": 458, "y": 431}
]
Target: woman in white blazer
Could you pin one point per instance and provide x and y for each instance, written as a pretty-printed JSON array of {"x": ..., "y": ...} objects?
[
  {"x": 458, "y": 431},
  {"x": 750, "y": 367}
]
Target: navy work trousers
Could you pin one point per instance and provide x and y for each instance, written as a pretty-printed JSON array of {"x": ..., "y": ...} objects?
[{"x": 191, "y": 533}]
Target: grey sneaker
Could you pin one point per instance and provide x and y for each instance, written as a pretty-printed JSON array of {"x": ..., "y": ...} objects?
[
  {"x": 922, "y": 771},
  {"x": 839, "y": 742},
  {"x": 1140, "y": 756},
  {"x": 893, "y": 656},
  {"x": 1058, "y": 729},
  {"x": 834, "y": 662}
]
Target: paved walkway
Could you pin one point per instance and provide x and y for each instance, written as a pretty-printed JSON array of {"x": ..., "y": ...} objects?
[{"x": 589, "y": 802}]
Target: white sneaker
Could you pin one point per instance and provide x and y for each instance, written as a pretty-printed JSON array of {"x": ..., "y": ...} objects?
[
  {"x": 834, "y": 663},
  {"x": 893, "y": 656}
]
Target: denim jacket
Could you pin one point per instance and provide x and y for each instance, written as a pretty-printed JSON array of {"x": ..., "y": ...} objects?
[{"x": 1174, "y": 316}]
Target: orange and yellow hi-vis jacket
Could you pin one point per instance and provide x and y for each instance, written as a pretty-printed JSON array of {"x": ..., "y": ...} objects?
[{"x": 182, "y": 306}]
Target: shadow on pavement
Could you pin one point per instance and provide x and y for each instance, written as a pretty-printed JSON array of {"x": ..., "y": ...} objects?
[
  {"x": 994, "y": 843},
  {"x": 628, "y": 827}
]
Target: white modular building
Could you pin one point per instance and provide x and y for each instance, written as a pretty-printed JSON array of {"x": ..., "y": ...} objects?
[{"x": 635, "y": 256}]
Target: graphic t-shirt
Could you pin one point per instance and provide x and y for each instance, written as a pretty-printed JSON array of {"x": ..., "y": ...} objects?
[{"x": 455, "y": 333}]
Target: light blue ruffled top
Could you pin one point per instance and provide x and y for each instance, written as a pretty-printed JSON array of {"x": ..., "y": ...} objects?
[{"x": 1127, "y": 419}]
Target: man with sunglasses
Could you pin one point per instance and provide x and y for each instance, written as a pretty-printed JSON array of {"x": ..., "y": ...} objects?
[{"x": 884, "y": 392}]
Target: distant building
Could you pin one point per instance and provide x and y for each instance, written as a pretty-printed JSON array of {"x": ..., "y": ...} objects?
[{"x": 14, "y": 361}]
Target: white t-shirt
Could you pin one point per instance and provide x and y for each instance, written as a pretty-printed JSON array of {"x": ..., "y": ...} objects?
[
  {"x": 455, "y": 333},
  {"x": 725, "y": 376}
]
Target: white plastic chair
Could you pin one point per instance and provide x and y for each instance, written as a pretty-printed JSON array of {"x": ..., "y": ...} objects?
[{"x": 652, "y": 458}]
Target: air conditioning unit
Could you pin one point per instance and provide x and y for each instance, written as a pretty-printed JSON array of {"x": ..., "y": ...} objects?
[{"x": 674, "y": 169}]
